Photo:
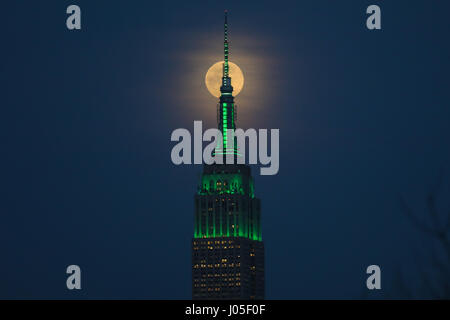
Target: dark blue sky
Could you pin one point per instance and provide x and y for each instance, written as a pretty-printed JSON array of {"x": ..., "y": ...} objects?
[{"x": 86, "y": 176}]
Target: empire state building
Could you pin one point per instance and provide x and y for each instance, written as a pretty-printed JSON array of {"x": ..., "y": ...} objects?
[{"x": 227, "y": 247}]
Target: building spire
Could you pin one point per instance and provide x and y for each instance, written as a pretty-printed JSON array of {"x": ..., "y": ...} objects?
[
  {"x": 226, "y": 112},
  {"x": 226, "y": 88},
  {"x": 225, "y": 45}
]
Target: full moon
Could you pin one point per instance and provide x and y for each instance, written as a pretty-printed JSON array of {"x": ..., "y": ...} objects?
[{"x": 213, "y": 78}]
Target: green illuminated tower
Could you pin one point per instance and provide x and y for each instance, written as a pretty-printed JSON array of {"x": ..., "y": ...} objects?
[
  {"x": 226, "y": 111},
  {"x": 227, "y": 248}
]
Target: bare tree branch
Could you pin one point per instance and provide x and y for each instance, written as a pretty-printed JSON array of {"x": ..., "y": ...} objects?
[
  {"x": 437, "y": 283},
  {"x": 415, "y": 221}
]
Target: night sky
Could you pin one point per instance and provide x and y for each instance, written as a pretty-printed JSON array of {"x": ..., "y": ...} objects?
[{"x": 86, "y": 118}]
